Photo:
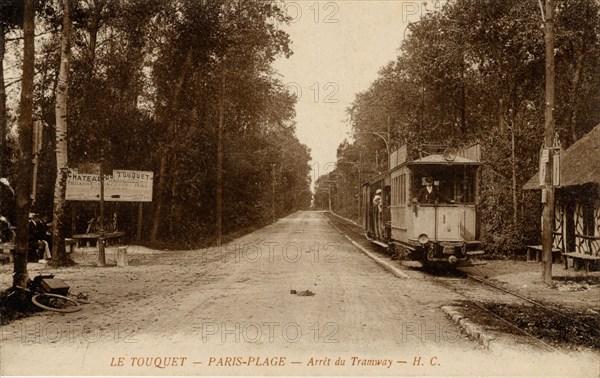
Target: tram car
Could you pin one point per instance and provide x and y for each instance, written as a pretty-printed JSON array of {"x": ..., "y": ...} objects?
[{"x": 425, "y": 207}]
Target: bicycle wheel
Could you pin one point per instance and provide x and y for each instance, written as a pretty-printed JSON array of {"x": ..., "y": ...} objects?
[{"x": 55, "y": 302}]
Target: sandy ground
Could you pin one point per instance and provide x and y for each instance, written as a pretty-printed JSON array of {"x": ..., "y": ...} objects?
[
  {"x": 229, "y": 310},
  {"x": 571, "y": 288}
]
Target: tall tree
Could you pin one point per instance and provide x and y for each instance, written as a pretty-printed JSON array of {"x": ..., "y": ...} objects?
[
  {"x": 24, "y": 168},
  {"x": 167, "y": 148},
  {"x": 59, "y": 255}
]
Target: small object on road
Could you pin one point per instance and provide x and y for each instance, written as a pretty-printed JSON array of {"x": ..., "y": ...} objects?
[{"x": 305, "y": 293}]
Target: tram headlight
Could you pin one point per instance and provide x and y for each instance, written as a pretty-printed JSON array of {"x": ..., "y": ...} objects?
[{"x": 423, "y": 239}]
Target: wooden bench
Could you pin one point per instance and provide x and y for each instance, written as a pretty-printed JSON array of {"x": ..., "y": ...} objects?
[
  {"x": 95, "y": 236},
  {"x": 579, "y": 259},
  {"x": 537, "y": 249}
]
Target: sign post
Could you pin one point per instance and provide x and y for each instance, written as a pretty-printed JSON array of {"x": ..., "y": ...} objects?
[
  {"x": 95, "y": 182},
  {"x": 101, "y": 254},
  {"x": 139, "y": 223}
]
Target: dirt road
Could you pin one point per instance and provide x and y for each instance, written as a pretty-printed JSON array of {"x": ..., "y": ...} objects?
[{"x": 230, "y": 310}]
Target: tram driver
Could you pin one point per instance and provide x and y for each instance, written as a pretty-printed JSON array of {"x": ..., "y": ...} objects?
[{"x": 429, "y": 193}]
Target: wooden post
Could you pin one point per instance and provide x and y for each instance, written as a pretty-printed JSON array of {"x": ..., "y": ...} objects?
[
  {"x": 548, "y": 211},
  {"x": 139, "y": 223},
  {"x": 273, "y": 192},
  {"x": 122, "y": 256},
  {"x": 359, "y": 193},
  {"x": 101, "y": 255},
  {"x": 73, "y": 218},
  {"x": 219, "y": 194}
]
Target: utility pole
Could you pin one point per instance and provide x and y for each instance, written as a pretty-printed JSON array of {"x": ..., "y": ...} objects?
[
  {"x": 548, "y": 189},
  {"x": 273, "y": 192},
  {"x": 101, "y": 236},
  {"x": 219, "y": 194}
]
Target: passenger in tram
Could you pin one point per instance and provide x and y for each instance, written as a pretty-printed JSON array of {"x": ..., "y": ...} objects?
[{"x": 377, "y": 211}]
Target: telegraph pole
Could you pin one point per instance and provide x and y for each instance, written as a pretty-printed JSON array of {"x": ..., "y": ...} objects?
[
  {"x": 273, "y": 192},
  {"x": 548, "y": 189},
  {"x": 219, "y": 191},
  {"x": 101, "y": 231}
]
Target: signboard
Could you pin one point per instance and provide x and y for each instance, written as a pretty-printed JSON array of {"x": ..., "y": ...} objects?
[
  {"x": 544, "y": 159},
  {"x": 121, "y": 186},
  {"x": 556, "y": 167}
]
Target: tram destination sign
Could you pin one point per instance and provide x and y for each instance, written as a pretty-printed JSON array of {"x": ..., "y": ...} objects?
[{"x": 121, "y": 186}]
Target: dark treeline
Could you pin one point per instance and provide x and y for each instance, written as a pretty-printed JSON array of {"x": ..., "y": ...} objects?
[
  {"x": 149, "y": 83},
  {"x": 475, "y": 71}
]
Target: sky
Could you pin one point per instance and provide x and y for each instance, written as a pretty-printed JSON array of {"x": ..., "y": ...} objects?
[{"x": 339, "y": 48}]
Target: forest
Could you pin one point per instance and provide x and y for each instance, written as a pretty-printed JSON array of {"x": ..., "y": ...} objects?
[
  {"x": 182, "y": 88},
  {"x": 474, "y": 71}
]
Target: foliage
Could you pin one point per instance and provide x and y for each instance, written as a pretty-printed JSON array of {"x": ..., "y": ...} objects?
[
  {"x": 127, "y": 59},
  {"x": 474, "y": 71}
]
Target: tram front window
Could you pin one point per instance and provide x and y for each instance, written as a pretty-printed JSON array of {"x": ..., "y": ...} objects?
[
  {"x": 464, "y": 185},
  {"x": 454, "y": 185}
]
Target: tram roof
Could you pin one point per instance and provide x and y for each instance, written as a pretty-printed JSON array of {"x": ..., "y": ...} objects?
[{"x": 439, "y": 159}]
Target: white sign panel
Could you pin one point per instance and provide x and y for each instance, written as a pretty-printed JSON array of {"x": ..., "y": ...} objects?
[
  {"x": 121, "y": 186},
  {"x": 556, "y": 167}
]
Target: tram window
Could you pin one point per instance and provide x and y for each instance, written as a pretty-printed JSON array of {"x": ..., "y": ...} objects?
[
  {"x": 457, "y": 183},
  {"x": 394, "y": 191},
  {"x": 399, "y": 190},
  {"x": 464, "y": 185},
  {"x": 403, "y": 189}
]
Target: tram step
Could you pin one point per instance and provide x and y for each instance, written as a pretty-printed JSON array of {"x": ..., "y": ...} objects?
[{"x": 472, "y": 253}]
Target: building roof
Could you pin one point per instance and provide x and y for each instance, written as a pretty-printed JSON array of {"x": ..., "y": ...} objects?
[{"x": 580, "y": 163}]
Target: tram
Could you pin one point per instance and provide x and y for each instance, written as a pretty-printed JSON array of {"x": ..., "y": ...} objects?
[{"x": 426, "y": 207}]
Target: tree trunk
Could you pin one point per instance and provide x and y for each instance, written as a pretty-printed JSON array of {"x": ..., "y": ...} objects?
[
  {"x": 463, "y": 108},
  {"x": 4, "y": 155},
  {"x": 573, "y": 95},
  {"x": 513, "y": 162},
  {"x": 59, "y": 254},
  {"x": 24, "y": 167},
  {"x": 93, "y": 27},
  {"x": 167, "y": 145}
]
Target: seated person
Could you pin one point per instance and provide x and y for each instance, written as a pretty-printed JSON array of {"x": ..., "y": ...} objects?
[{"x": 429, "y": 194}]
